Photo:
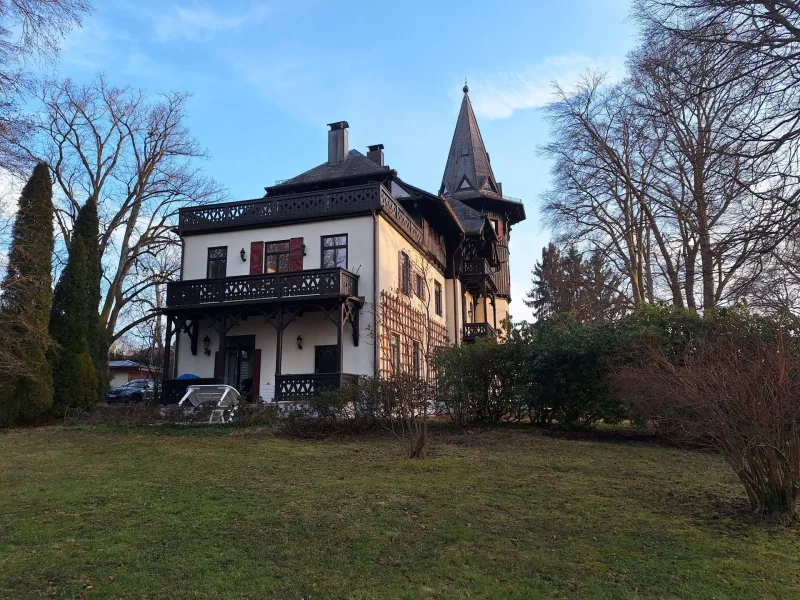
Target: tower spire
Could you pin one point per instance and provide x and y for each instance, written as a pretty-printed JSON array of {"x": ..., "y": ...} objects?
[{"x": 468, "y": 172}]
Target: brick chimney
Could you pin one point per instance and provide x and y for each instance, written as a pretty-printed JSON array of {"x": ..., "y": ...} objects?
[
  {"x": 375, "y": 154},
  {"x": 337, "y": 142}
]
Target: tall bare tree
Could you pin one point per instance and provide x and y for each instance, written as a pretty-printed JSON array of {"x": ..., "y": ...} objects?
[
  {"x": 28, "y": 29},
  {"x": 604, "y": 167},
  {"x": 135, "y": 156},
  {"x": 764, "y": 35}
]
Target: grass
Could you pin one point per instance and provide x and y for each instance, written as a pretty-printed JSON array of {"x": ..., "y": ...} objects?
[{"x": 100, "y": 513}]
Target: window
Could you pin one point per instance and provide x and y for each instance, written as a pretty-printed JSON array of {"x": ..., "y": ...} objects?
[
  {"x": 416, "y": 358},
  {"x": 494, "y": 224},
  {"x": 405, "y": 274},
  {"x": 437, "y": 297},
  {"x": 276, "y": 257},
  {"x": 334, "y": 251},
  {"x": 419, "y": 286},
  {"x": 217, "y": 262},
  {"x": 394, "y": 352}
]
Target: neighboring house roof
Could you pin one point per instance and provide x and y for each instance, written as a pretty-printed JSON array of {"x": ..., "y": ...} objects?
[
  {"x": 355, "y": 165},
  {"x": 128, "y": 364}
]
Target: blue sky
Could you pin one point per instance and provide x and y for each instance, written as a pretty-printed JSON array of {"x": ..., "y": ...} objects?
[{"x": 267, "y": 76}]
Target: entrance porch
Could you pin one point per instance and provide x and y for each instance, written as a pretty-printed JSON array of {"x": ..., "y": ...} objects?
[{"x": 273, "y": 349}]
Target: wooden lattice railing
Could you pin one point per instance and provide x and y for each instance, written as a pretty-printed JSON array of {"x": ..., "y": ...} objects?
[
  {"x": 296, "y": 387},
  {"x": 473, "y": 331},
  {"x": 273, "y": 286}
]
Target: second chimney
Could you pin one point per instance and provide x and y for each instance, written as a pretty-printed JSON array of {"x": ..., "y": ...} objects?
[
  {"x": 375, "y": 154},
  {"x": 337, "y": 142}
]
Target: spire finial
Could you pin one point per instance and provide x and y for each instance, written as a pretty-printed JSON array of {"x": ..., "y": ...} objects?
[{"x": 466, "y": 87}]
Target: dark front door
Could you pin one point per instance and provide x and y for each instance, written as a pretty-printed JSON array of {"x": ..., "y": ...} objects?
[
  {"x": 326, "y": 359},
  {"x": 239, "y": 361}
]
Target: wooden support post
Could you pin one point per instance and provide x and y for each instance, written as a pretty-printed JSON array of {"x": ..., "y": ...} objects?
[
  {"x": 279, "y": 344},
  {"x": 494, "y": 311},
  {"x": 339, "y": 332},
  {"x": 167, "y": 351},
  {"x": 223, "y": 335}
]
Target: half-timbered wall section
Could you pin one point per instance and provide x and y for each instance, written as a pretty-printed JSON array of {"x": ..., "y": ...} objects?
[{"x": 408, "y": 324}]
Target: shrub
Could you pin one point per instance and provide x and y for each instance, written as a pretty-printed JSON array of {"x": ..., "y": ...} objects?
[
  {"x": 400, "y": 404},
  {"x": 734, "y": 384},
  {"x": 476, "y": 383},
  {"x": 565, "y": 370}
]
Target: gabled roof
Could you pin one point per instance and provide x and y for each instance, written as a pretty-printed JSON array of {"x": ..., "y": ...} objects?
[
  {"x": 471, "y": 220},
  {"x": 355, "y": 165},
  {"x": 468, "y": 172}
]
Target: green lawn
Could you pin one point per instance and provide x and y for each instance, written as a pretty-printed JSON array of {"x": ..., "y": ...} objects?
[{"x": 491, "y": 514}]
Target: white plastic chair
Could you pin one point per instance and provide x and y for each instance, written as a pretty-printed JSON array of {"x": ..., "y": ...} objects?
[{"x": 223, "y": 399}]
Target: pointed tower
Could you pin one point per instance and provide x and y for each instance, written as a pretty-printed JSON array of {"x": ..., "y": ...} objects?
[
  {"x": 468, "y": 171},
  {"x": 469, "y": 179}
]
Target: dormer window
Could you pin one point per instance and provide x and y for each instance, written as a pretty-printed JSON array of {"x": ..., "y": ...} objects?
[{"x": 464, "y": 150}]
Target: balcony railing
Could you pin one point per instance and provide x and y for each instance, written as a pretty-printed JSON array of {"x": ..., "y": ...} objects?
[
  {"x": 297, "y": 207},
  {"x": 479, "y": 268},
  {"x": 473, "y": 331},
  {"x": 272, "y": 286},
  {"x": 293, "y": 388}
]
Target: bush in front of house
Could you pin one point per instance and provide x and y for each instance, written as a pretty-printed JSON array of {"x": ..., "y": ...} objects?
[
  {"x": 731, "y": 381},
  {"x": 480, "y": 383},
  {"x": 552, "y": 373}
]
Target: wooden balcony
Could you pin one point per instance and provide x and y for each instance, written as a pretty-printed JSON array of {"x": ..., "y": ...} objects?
[
  {"x": 475, "y": 331},
  {"x": 294, "y": 208},
  {"x": 294, "y": 388},
  {"x": 478, "y": 272},
  {"x": 272, "y": 287}
]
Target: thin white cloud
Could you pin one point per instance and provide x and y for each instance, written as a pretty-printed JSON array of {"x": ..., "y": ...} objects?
[
  {"x": 198, "y": 22},
  {"x": 498, "y": 94}
]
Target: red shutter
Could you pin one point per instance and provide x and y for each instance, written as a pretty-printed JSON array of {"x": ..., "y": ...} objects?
[
  {"x": 256, "y": 374},
  {"x": 217, "y": 366},
  {"x": 256, "y": 258},
  {"x": 296, "y": 254},
  {"x": 500, "y": 228}
]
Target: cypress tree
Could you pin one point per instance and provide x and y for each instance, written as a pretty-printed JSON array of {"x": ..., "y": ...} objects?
[
  {"x": 25, "y": 304},
  {"x": 74, "y": 322},
  {"x": 87, "y": 228}
]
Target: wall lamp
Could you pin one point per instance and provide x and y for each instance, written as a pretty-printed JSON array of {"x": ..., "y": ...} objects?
[
  {"x": 299, "y": 342},
  {"x": 242, "y": 254},
  {"x": 303, "y": 247},
  {"x": 207, "y": 346}
]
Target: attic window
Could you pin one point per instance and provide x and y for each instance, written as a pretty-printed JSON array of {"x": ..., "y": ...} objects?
[
  {"x": 464, "y": 150},
  {"x": 465, "y": 184}
]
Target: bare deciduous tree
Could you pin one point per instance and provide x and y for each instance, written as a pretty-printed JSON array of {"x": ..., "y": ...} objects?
[
  {"x": 136, "y": 157},
  {"x": 28, "y": 29}
]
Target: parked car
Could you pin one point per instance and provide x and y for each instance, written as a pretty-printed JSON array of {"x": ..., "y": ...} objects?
[{"x": 136, "y": 390}]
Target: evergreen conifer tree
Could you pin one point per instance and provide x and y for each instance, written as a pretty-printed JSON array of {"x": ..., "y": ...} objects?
[
  {"x": 74, "y": 321},
  {"x": 26, "y": 391}
]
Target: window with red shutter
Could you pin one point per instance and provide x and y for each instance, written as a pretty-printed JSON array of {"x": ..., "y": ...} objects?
[
  {"x": 296, "y": 254},
  {"x": 256, "y": 258}
]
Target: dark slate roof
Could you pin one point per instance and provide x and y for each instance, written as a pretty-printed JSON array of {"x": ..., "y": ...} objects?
[
  {"x": 471, "y": 220},
  {"x": 356, "y": 165},
  {"x": 468, "y": 160},
  {"x": 124, "y": 364}
]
